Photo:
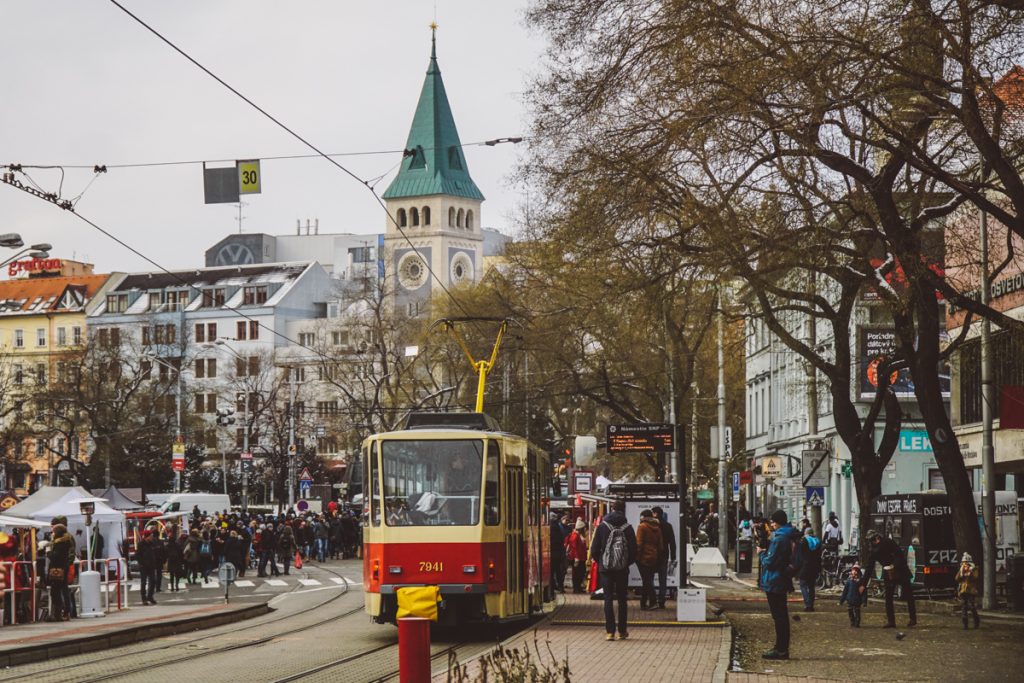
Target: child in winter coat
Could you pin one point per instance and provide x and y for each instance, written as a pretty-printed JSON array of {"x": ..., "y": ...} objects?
[
  {"x": 967, "y": 589},
  {"x": 853, "y": 596}
]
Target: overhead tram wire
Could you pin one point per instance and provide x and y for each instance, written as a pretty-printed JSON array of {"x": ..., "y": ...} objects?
[{"x": 307, "y": 143}]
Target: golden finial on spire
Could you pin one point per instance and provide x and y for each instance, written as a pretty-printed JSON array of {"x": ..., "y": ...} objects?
[{"x": 433, "y": 26}]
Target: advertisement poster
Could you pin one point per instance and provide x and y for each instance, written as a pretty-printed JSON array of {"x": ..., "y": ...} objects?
[
  {"x": 875, "y": 346},
  {"x": 671, "y": 508}
]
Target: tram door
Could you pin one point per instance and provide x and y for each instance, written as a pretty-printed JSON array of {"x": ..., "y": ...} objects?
[{"x": 514, "y": 497}]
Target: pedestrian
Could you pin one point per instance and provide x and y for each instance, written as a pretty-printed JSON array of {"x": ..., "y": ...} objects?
[
  {"x": 191, "y": 553},
  {"x": 967, "y": 589},
  {"x": 667, "y": 559},
  {"x": 558, "y": 554},
  {"x": 810, "y": 567},
  {"x": 777, "y": 579},
  {"x": 895, "y": 574},
  {"x": 175, "y": 560},
  {"x": 147, "y": 557},
  {"x": 648, "y": 553},
  {"x": 322, "y": 533},
  {"x": 206, "y": 555},
  {"x": 267, "y": 548},
  {"x": 576, "y": 554},
  {"x": 286, "y": 547},
  {"x": 59, "y": 557},
  {"x": 614, "y": 549},
  {"x": 160, "y": 550},
  {"x": 832, "y": 534},
  {"x": 854, "y": 596}
]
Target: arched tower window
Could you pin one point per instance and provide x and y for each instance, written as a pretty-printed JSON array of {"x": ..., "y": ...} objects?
[
  {"x": 451, "y": 217},
  {"x": 414, "y": 216},
  {"x": 469, "y": 219},
  {"x": 426, "y": 215},
  {"x": 458, "y": 219},
  {"x": 402, "y": 220}
]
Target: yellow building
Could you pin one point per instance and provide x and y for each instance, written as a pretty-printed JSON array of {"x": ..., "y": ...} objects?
[{"x": 42, "y": 317}]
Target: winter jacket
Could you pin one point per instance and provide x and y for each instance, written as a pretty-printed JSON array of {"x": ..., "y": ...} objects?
[
  {"x": 967, "y": 581},
  {"x": 175, "y": 557},
  {"x": 668, "y": 542},
  {"x": 811, "y": 549},
  {"x": 852, "y": 594},
  {"x": 60, "y": 553},
  {"x": 146, "y": 555},
  {"x": 886, "y": 553},
  {"x": 613, "y": 519},
  {"x": 286, "y": 542},
  {"x": 775, "y": 561},
  {"x": 648, "y": 542},
  {"x": 575, "y": 547},
  {"x": 557, "y": 539}
]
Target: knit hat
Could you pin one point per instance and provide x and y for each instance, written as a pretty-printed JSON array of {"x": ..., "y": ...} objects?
[
  {"x": 779, "y": 517},
  {"x": 967, "y": 558},
  {"x": 580, "y": 525}
]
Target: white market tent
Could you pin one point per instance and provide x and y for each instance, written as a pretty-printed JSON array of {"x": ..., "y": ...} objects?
[{"x": 51, "y": 501}]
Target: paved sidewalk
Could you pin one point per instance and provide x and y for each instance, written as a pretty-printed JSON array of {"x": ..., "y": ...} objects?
[
  {"x": 654, "y": 652},
  {"x": 46, "y": 640}
]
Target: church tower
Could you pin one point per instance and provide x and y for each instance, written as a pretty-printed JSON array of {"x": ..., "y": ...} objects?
[{"x": 434, "y": 201}]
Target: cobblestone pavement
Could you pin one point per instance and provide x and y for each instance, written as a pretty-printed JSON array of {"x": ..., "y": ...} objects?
[{"x": 825, "y": 647}]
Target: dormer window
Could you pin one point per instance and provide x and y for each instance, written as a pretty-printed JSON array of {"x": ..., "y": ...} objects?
[
  {"x": 117, "y": 303},
  {"x": 255, "y": 295},
  {"x": 213, "y": 298}
]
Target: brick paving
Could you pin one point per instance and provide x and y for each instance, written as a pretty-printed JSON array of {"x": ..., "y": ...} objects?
[{"x": 652, "y": 653}]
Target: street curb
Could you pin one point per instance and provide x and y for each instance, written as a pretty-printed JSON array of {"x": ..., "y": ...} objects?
[
  {"x": 724, "y": 657},
  {"x": 75, "y": 646}
]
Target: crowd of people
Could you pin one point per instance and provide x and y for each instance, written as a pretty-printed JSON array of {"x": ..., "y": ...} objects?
[{"x": 186, "y": 553}]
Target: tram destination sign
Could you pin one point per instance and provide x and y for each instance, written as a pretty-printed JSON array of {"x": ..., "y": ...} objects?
[{"x": 641, "y": 438}]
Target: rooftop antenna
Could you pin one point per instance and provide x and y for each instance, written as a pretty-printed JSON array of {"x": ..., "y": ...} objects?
[{"x": 240, "y": 216}]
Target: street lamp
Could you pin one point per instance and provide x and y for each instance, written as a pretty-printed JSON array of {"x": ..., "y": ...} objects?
[
  {"x": 41, "y": 250},
  {"x": 150, "y": 355},
  {"x": 220, "y": 343},
  {"x": 11, "y": 240}
]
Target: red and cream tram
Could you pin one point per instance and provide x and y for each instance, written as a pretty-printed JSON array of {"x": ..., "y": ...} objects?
[{"x": 454, "y": 509}]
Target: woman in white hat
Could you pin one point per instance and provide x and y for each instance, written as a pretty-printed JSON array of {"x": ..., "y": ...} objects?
[{"x": 967, "y": 589}]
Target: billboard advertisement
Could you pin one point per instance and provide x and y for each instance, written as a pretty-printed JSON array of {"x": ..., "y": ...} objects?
[{"x": 877, "y": 345}]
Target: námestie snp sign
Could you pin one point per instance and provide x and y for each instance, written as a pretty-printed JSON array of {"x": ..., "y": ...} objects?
[{"x": 640, "y": 438}]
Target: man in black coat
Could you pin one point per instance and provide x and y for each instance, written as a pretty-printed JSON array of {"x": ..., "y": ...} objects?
[
  {"x": 888, "y": 553},
  {"x": 147, "y": 558},
  {"x": 614, "y": 581},
  {"x": 668, "y": 554},
  {"x": 557, "y": 555}
]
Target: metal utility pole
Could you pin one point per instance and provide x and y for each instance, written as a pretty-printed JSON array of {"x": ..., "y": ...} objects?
[
  {"x": 244, "y": 462},
  {"x": 988, "y": 465},
  {"x": 177, "y": 430},
  {"x": 671, "y": 362},
  {"x": 723, "y": 507},
  {"x": 812, "y": 401},
  {"x": 291, "y": 438}
]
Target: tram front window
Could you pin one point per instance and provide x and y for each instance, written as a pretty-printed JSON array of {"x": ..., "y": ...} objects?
[{"x": 432, "y": 483}]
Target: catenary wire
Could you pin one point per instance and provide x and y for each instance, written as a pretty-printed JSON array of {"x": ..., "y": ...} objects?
[{"x": 343, "y": 169}]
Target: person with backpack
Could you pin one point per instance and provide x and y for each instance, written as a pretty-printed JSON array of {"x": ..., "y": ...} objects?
[
  {"x": 777, "y": 572},
  {"x": 810, "y": 550},
  {"x": 614, "y": 549}
]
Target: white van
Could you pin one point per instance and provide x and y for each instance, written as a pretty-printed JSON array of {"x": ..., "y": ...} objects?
[{"x": 209, "y": 503}]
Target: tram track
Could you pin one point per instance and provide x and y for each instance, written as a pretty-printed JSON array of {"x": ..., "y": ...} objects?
[
  {"x": 359, "y": 655},
  {"x": 105, "y": 657}
]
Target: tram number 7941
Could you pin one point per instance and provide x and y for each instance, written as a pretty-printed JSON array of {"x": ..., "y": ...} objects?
[{"x": 431, "y": 566}]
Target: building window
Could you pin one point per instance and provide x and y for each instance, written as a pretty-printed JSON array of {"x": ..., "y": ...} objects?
[
  {"x": 339, "y": 337},
  {"x": 206, "y": 403},
  {"x": 254, "y": 329},
  {"x": 326, "y": 408},
  {"x": 295, "y": 374},
  {"x": 41, "y": 336},
  {"x": 40, "y": 373},
  {"x": 76, "y": 336},
  {"x": 426, "y": 215},
  {"x": 18, "y": 371},
  {"x": 211, "y": 332},
  {"x": 117, "y": 303},
  {"x": 62, "y": 336},
  {"x": 458, "y": 218},
  {"x": 146, "y": 370},
  {"x": 255, "y": 295},
  {"x": 213, "y": 298},
  {"x": 469, "y": 220},
  {"x": 200, "y": 333},
  {"x": 306, "y": 338},
  {"x": 451, "y": 217},
  {"x": 402, "y": 220},
  {"x": 240, "y": 329},
  {"x": 40, "y": 448},
  {"x": 19, "y": 339},
  {"x": 1007, "y": 374},
  {"x": 147, "y": 336},
  {"x": 414, "y": 215}
]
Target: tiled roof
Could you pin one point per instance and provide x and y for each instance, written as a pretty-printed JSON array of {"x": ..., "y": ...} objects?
[
  {"x": 208, "y": 277},
  {"x": 44, "y": 294}
]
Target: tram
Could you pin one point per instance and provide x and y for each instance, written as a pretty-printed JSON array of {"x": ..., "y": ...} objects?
[
  {"x": 455, "y": 526},
  {"x": 457, "y": 505}
]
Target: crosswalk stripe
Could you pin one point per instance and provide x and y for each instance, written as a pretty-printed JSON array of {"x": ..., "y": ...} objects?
[
  {"x": 212, "y": 584},
  {"x": 338, "y": 580},
  {"x": 275, "y": 582},
  {"x": 309, "y": 582},
  {"x": 244, "y": 583},
  {"x": 134, "y": 586}
]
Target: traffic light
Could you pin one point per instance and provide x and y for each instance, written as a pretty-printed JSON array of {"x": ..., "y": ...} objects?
[{"x": 224, "y": 416}]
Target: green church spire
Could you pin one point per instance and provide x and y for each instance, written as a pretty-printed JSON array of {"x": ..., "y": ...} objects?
[{"x": 437, "y": 164}]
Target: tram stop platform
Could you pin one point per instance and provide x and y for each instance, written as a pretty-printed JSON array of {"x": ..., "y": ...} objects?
[
  {"x": 658, "y": 647},
  {"x": 44, "y": 640}
]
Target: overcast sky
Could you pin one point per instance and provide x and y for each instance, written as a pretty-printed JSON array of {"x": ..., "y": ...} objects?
[{"x": 85, "y": 84}]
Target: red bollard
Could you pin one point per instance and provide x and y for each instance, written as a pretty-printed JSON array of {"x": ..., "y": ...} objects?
[{"x": 414, "y": 650}]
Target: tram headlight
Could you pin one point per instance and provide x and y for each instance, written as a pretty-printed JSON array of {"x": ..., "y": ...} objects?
[
  {"x": 469, "y": 569},
  {"x": 490, "y": 571},
  {"x": 376, "y": 570},
  {"x": 394, "y": 570}
]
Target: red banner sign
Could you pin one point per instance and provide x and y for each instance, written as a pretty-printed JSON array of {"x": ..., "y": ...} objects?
[
  {"x": 178, "y": 464},
  {"x": 33, "y": 265}
]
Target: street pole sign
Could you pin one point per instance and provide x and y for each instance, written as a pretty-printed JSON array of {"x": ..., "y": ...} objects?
[
  {"x": 246, "y": 458},
  {"x": 735, "y": 487},
  {"x": 637, "y": 438},
  {"x": 178, "y": 457},
  {"x": 815, "y": 496},
  {"x": 814, "y": 470},
  {"x": 771, "y": 466}
]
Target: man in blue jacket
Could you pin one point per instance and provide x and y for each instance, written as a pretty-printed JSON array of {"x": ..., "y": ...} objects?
[{"x": 777, "y": 580}]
